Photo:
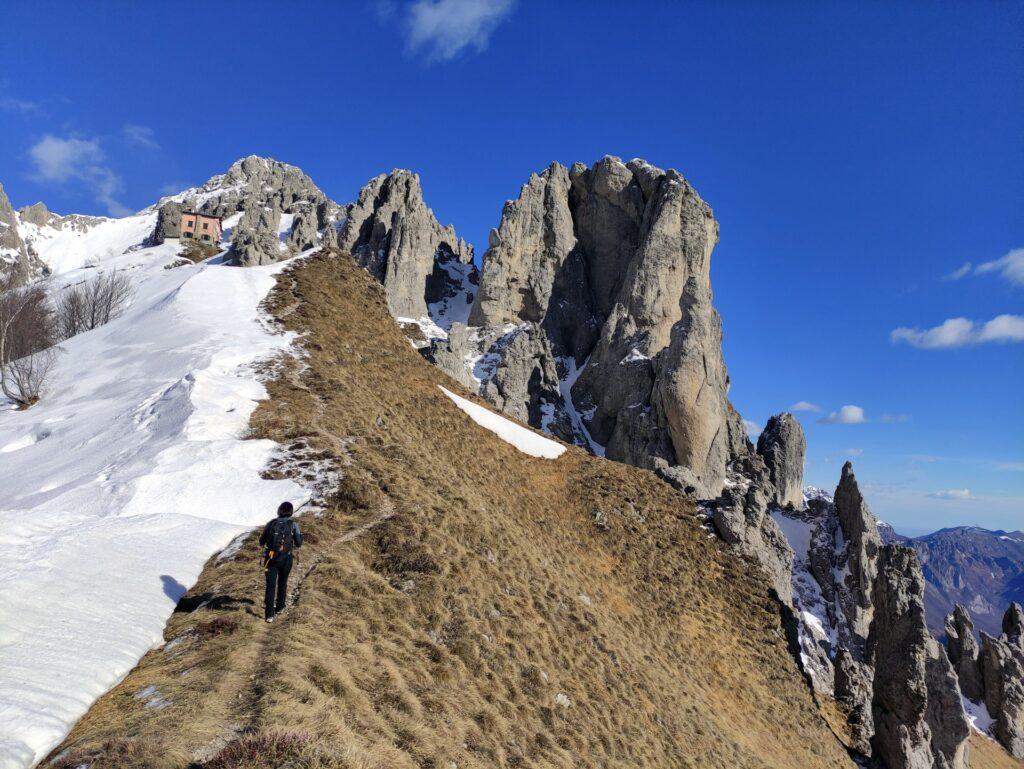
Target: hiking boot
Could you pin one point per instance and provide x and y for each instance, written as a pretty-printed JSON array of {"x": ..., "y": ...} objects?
[{"x": 270, "y": 619}]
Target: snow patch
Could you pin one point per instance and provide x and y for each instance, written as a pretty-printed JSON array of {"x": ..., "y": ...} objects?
[
  {"x": 978, "y": 715},
  {"x": 523, "y": 439},
  {"x": 577, "y": 418}
]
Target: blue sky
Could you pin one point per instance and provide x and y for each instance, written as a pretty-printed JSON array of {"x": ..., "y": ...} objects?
[{"x": 858, "y": 156}]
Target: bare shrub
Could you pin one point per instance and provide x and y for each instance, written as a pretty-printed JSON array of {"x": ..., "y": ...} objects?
[
  {"x": 27, "y": 355},
  {"x": 93, "y": 303},
  {"x": 23, "y": 379}
]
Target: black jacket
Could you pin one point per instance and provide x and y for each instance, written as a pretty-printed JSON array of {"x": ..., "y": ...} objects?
[{"x": 296, "y": 534}]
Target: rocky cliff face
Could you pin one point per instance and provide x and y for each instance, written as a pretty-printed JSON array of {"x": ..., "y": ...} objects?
[
  {"x": 272, "y": 210},
  {"x": 963, "y": 653},
  {"x": 422, "y": 265},
  {"x": 994, "y": 675},
  {"x": 782, "y": 446},
  {"x": 918, "y": 720},
  {"x": 16, "y": 264},
  {"x": 610, "y": 266}
]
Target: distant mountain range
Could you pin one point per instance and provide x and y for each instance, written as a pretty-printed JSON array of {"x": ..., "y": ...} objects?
[{"x": 980, "y": 569}]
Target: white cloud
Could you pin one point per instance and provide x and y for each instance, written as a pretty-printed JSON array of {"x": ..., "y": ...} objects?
[
  {"x": 1011, "y": 266},
  {"x": 892, "y": 419},
  {"x": 805, "y": 406},
  {"x": 445, "y": 28},
  {"x": 140, "y": 136},
  {"x": 22, "y": 107},
  {"x": 952, "y": 494},
  {"x": 853, "y": 452},
  {"x": 959, "y": 272},
  {"x": 959, "y": 332},
  {"x": 753, "y": 429},
  {"x": 847, "y": 415},
  {"x": 81, "y": 160}
]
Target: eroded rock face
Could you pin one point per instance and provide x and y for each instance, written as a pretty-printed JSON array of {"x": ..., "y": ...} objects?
[
  {"x": 782, "y": 445},
  {"x": 962, "y": 648},
  {"x": 860, "y": 532},
  {"x": 898, "y": 644},
  {"x": 853, "y": 689},
  {"x": 262, "y": 190},
  {"x": 949, "y": 726},
  {"x": 1002, "y": 672},
  {"x": 391, "y": 232},
  {"x": 919, "y": 721},
  {"x": 168, "y": 222},
  {"x": 741, "y": 517},
  {"x": 255, "y": 239},
  {"x": 15, "y": 262},
  {"x": 612, "y": 263},
  {"x": 1013, "y": 624}
]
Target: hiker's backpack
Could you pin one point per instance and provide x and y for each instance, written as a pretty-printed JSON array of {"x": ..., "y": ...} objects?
[{"x": 280, "y": 538}]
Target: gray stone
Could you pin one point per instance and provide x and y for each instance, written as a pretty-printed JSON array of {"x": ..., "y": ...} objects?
[
  {"x": 898, "y": 645},
  {"x": 37, "y": 214},
  {"x": 853, "y": 686},
  {"x": 262, "y": 190},
  {"x": 741, "y": 517},
  {"x": 949, "y": 726},
  {"x": 525, "y": 381},
  {"x": 1002, "y": 673},
  {"x": 391, "y": 232},
  {"x": 526, "y": 253},
  {"x": 450, "y": 355},
  {"x": 860, "y": 533},
  {"x": 782, "y": 445},
  {"x": 613, "y": 263},
  {"x": 962, "y": 648},
  {"x": 919, "y": 719},
  {"x": 168, "y": 223},
  {"x": 16, "y": 265},
  {"x": 1013, "y": 624},
  {"x": 304, "y": 233},
  {"x": 255, "y": 240}
]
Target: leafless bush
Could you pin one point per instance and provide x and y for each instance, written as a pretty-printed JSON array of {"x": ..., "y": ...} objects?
[
  {"x": 23, "y": 379},
  {"x": 27, "y": 354},
  {"x": 91, "y": 304}
]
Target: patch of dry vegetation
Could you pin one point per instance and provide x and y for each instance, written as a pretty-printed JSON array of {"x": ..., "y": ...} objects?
[{"x": 465, "y": 609}]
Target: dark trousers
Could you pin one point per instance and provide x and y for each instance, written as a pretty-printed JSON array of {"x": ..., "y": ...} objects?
[{"x": 277, "y": 586}]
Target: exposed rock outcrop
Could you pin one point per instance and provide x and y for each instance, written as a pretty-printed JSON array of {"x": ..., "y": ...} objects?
[
  {"x": 860, "y": 533},
  {"x": 262, "y": 190},
  {"x": 1002, "y": 673},
  {"x": 612, "y": 264},
  {"x": 1013, "y": 624},
  {"x": 782, "y": 446},
  {"x": 254, "y": 240},
  {"x": 963, "y": 653},
  {"x": 853, "y": 690},
  {"x": 919, "y": 722},
  {"x": 946, "y": 719},
  {"x": 168, "y": 222},
  {"x": 15, "y": 264},
  {"x": 741, "y": 517},
  {"x": 391, "y": 232}
]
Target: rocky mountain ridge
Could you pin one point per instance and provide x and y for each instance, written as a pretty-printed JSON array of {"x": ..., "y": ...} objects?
[{"x": 592, "y": 319}]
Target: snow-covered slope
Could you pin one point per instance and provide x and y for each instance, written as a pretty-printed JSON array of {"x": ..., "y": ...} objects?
[{"x": 127, "y": 476}]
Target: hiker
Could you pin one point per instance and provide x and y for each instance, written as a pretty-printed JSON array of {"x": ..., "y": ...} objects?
[{"x": 280, "y": 536}]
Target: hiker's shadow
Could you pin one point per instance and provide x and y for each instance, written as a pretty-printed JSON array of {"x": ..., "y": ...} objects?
[{"x": 172, "y": 588}]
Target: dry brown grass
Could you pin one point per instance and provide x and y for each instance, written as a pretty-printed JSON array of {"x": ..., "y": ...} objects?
[
  {"x": 988, "y": 754},
  {"x": 488, "y": 622}
]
